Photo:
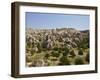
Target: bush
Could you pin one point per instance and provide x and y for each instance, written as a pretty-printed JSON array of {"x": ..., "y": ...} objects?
[
  {"x": 46, "y": 56},
  {"x": 79, "y": 61},
  {"x": 84, "y": 44},
  {"x": 59, "y": 51},
  {"x": 32, "y": 52},
  {"x": 80, "y": 52},
  {"x": 55, "y": 48},
  {"x": 66, "y": 51},
  {"x": 64, "y": 61},
  {"x": 72, "y": 53}
]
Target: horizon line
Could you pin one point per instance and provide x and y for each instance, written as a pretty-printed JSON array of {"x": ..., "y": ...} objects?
[{"x": 57, "y": 28}]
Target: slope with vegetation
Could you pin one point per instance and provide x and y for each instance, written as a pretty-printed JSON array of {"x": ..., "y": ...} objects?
[{"x": 54, "y": 47}]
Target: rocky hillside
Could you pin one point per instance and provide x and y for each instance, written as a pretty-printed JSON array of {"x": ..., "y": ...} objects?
[
  {"x": 40, "y": 41},
  {"x": 52, "y": 37}
]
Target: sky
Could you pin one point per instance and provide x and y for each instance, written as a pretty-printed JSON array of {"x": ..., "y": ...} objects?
[{"x": 55, "y": 20}]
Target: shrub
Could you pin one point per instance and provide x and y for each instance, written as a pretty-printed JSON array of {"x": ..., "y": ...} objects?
[
  {"x": 32, "y": 52},
  {"x": 66, "y": 51},
  {"x": 59, "y": 51},
  {"x": 72, "y": 53},
  {"x": 80, "y": 52},
  {"x": 55, "y": 48},
  {"x": 46, "y": 56},
  {"x": 64, "y": 61},
  {"x": 84, "y": 44},
  {"x": 79, "y": 61}
]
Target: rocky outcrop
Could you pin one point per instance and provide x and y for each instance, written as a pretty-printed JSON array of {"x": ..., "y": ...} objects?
[{"x": 49, "y": 38}]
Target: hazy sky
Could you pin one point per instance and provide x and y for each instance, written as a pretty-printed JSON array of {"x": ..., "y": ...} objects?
[{"x": 51, "y": 20}]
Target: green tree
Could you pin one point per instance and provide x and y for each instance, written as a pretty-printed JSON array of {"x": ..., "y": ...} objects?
[
  {"x": 80, "y": 52},
  {"x": 84, "y": 44},
  {"x": 55, "y": 48},
  {"x": 64, "y": 61},
  {"x": 79, "y": 61},
  {"x": 72, "y": 53},
  {"x": 66, "y": 51},
  {"x": 46, "y": 56}
]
